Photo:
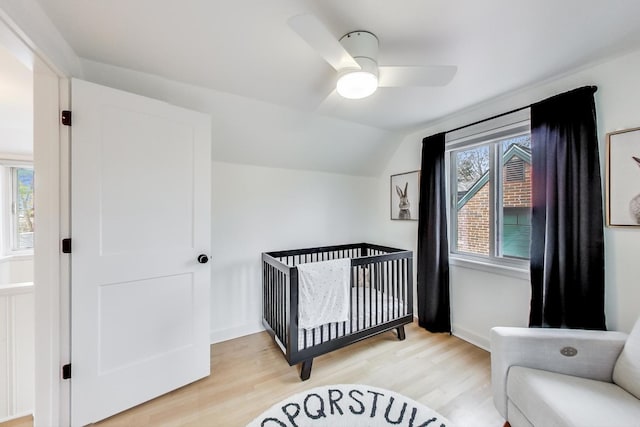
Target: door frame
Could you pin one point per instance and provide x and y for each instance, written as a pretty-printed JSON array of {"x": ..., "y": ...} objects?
[{"x": 51, "y": 94}]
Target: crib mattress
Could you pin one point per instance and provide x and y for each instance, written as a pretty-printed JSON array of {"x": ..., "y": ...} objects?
[{"x": 373, "y": 308}]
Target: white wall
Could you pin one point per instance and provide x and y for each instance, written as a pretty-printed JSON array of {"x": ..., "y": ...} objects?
[
  {"x": 481, "y": 300},
  {"x": 16, "y": 270},
  {"x": 259, "y": 209},
  {"x": 21, "y": 270},
  {"x": 17, "y": 353}
]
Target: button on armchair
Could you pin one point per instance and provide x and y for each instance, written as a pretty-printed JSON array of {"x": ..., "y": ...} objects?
[{"x": 566, "y": 377}]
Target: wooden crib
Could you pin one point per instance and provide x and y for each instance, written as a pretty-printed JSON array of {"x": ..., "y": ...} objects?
[{"x": 381, "y": 299}]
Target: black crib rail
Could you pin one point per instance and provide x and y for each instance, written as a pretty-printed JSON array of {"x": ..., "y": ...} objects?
[{"x": 382, "y": 286}]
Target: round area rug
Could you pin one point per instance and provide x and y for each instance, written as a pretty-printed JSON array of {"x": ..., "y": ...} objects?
[{"x": 349, "y": 405}]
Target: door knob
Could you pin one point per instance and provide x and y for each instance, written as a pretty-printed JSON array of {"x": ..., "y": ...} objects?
[{"x": 203, "y": 259}]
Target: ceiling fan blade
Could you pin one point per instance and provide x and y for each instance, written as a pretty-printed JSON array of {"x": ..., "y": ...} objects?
[
  {"x": 329, "y": 103},
  {"x": 312, "y": 31},
  {"x": 430, "y": 75}
]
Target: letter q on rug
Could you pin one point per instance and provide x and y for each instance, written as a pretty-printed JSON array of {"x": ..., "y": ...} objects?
[{"x": 349, "y": 405}]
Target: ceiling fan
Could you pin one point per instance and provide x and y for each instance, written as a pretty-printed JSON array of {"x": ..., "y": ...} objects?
[{"x": 355, "y": 58}]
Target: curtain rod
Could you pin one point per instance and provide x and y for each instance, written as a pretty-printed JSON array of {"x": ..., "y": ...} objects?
[
  {"x": 592, "y": 88},
  {"x": 489, "y": 118}
]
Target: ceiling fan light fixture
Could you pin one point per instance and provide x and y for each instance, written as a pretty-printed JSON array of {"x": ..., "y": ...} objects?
[
  {"x": 357, "y": 84},
  {"x": 354, "y": 83}
]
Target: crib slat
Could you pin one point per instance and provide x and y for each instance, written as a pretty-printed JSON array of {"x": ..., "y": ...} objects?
[
  {"x": 362, "y": 290},
  {"x": 379, "y": 295},
  {"x": 265, "y": 283},
  {"x": 267, "y": 295},
  {"x": 271, "y": 302},
  {"x": 358, "y": 300},
  {"x": 396, "y": 285},
  {"x": 384, "y": 303},
  {"x": 376, "y": 287},
  {"x": 383, "y": 296},
  {"x": 371, "y": 279},
  {"x": 305, "y": 334},
  {"x": 278, "y": 303},
  {"x": 389, "y": 302},
  {"x": 274, "y": 298},
  {"x": 400, "y": 284},
  {"x": 274, "y": 303},
  {"x": 292, "y": 312},
  {"x": 281, "y": 306},
  {"x": 403, "y": 282}
]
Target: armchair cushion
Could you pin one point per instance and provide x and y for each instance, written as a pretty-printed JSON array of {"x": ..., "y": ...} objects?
[
  {"x": 550, "y": 399},
  {"x": 627, "y": 370}
]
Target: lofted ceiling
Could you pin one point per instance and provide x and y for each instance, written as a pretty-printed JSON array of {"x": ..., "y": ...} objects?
[
  {"x": 245, "y": 47},
  {"x": 271, "y": 96}
]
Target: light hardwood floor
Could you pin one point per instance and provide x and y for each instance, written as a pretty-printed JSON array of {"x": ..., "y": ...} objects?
[
  {"x": 19, "y": 422},
  {"x": 249, "y": 374}
]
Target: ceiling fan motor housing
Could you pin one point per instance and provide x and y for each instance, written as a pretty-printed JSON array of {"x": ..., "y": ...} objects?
[{"x": 363, "y": 47}]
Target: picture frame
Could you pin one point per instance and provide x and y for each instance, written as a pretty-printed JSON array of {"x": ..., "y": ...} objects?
[
  {"x": 404, "y": 196},
  {"x": 623, "y": 178}
]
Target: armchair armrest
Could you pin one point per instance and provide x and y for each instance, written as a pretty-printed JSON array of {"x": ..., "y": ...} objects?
[{"x": 539, "y": 348}]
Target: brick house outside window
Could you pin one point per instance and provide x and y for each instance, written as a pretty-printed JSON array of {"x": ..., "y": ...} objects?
[{"x": 473, "y": 208}]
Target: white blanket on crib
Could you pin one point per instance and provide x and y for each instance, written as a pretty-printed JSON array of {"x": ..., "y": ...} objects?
[{"x": 323, "y": 292}]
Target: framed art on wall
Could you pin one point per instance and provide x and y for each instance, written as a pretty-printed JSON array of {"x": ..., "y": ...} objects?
[
  {"x": 404, "y": 195},
  {"x": 623, "y": 178}
]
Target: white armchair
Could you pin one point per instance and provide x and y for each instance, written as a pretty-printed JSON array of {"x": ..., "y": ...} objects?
[{"x": 566, "y": 377}]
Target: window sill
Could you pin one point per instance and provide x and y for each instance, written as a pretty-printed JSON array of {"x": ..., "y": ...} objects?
[
  {"x": 16, "y": 289},
  {"x": 17, "y": 256},
  {"x": 503, "y": 270}
]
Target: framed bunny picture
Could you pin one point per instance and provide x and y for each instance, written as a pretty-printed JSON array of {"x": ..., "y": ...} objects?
[
  {"x": 623, "y": 178},
  {"x": 405, "y": 195}
]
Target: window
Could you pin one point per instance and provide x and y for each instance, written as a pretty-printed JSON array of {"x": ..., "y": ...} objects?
[
  {"x": 22, "y": 214},
  {"x": 17, "y": 208},
  {"x": 490, "y": 194}
]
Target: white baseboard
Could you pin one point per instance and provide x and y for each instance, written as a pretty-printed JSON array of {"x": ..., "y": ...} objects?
[
  {"x": 471, "y": 337},
  {"x": 235, "y": 332}
]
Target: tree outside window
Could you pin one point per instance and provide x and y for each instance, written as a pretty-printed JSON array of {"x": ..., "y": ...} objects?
[{"x": 23, "y": 209}]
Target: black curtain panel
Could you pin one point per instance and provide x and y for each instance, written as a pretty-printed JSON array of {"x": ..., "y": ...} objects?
[
  {"x": 567, "y": 243},
  {"x": 433, "y": 246}
]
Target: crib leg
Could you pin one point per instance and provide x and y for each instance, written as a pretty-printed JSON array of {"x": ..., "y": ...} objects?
[
  {"x": 401, "y": 335},
  {"x": 305, "y": 372}
]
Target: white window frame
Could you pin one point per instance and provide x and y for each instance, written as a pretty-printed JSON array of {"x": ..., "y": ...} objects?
[
  {"x": 8, "y": 215},
  {"x": 487, "y": 132}
]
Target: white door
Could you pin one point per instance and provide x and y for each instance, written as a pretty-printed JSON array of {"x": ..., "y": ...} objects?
[{"x": 140, "y": 191}]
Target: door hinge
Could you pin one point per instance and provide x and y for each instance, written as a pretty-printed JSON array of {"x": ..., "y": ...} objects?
[
  {"x": 65, "y": 117},
  {"x": 66, "y": 246},
  {"x": 66, "y": 371}
]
